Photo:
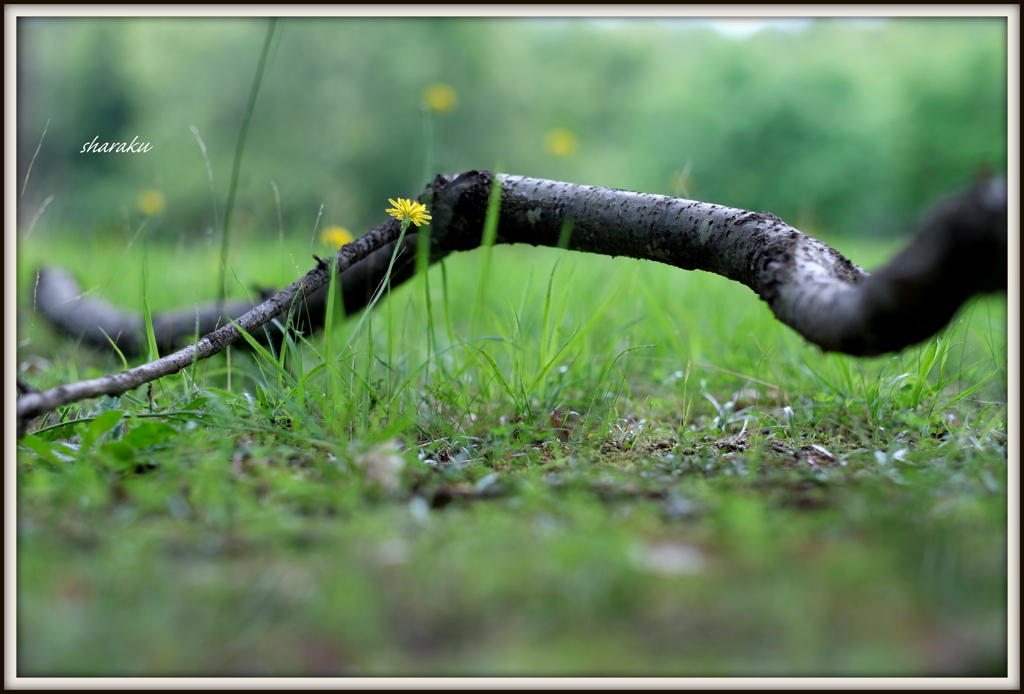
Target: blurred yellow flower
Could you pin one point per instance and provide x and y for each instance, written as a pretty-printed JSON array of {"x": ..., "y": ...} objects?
[
  {"x": 407, "y": 210},
  {"x": 336, "y": 236},
  {"x": 440, "y": 97},
  {"x": 151, "y": 202},
  {"x": 561, "y": 142}
]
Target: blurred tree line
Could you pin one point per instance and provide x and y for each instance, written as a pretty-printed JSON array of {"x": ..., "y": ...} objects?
[{"x": 842, "y": 126}]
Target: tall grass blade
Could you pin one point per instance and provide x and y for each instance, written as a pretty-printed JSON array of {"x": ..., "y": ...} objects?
[
  {"x": 236, "y": 167},
  {"x": 113, "y": 345},
  {"x": 154, "y": 353},
  {"x": 386, "y": 282},
  {"x": 490, "y": 234}
]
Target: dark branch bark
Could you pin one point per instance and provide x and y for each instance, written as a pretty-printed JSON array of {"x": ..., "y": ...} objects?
[{"x": 960, "y": 250}]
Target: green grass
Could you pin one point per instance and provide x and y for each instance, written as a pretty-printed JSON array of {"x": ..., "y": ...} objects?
[{"x": 726, "y": 500}]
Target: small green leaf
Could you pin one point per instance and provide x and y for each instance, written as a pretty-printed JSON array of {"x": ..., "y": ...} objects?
[
  {"x": 119, "y": 450},
  {"x": 98, "y": 427},
  {"x": 197, "y": 403},
  {"x": 149, "y": 434},
  {"x": 42, "y": 449}
]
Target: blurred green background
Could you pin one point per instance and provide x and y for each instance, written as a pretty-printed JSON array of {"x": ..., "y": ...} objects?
[
  {"x": 838, "y": 126},
  {"x": 240, "y": 547}
]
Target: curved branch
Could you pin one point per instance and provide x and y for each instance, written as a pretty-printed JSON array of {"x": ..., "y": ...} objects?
[
  {"x": 960, "y": 250},
  {"x": 31, "y": 405},
  {"x": 60, "y": 301}
]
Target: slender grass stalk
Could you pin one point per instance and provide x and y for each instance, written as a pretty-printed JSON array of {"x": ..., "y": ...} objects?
[
  {"x": 331, "y": 404},
  {"x": 687, "y": 400},
  {"x": 195, "y": 341},
  {"x": 36, "y": 154},
  {"x": 422, "y": 267},
  {"x": 546, "y": 328},
  {"x": 154, "y": 353},
  {"x": 447, "y": 304},
  {"x": 236, "y": 167},
  {"x": 147, "y": 314},
  {"x": 209, "y": 174},
  {"x": 254, "y": 303},
  {"x": 607, "y": 372},
  {"x": 390, "y": 342},
  {"x": 366, "y": 396},
  {"x": 423, "y": 235},
  {"x": 486, "y": 245},
  {"x": 573, "y": 342},
  {"x": 280, "y": 219},
  {"x": 428, "y": 144},
  {"x": 39, "y": 213},
  {"x": 566, "y": 233},
  {"x": 316, "y": 225},
  {"x": 113, "y": 345},
  {"x": 385, "y": 282}
]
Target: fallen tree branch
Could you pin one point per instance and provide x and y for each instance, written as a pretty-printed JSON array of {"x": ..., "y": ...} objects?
[
  {"x": 31, "y": 405},
  {"x": 960, "y": 250},
  {"x": 60, "y": 301}
]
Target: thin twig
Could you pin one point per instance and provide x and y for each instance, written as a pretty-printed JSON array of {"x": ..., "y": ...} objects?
[{"x": 32, "y": 405}]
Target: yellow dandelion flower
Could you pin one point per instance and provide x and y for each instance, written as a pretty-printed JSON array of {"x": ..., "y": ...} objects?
[
  {"x": 151, "y": 202},
  {"x": 561, "y": 142},
  {"x": 440, "y": 97},
  {"x": 409, "y": 211},
  {"x": 336, "y": 236}
]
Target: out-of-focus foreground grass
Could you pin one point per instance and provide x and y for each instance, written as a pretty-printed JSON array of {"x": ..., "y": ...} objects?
[{"x": 462, "y": 497}]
